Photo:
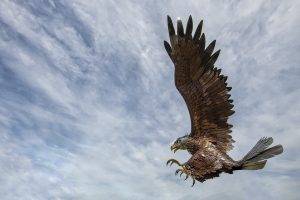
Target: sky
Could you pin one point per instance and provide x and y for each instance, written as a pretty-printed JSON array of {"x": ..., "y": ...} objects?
[{"x": 88, "y": 106}]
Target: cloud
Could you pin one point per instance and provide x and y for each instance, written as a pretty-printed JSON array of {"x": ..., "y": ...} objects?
[{"x": 88, "y": 106}]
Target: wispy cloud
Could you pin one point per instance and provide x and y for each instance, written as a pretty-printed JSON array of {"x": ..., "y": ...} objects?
[{"x": 88, "y": 106}]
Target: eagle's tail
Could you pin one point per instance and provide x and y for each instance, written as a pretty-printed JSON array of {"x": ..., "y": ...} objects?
[{"x": 258, "y": 155}]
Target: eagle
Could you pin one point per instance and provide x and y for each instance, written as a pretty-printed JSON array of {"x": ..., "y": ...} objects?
[{"x": 206, "y": 94}]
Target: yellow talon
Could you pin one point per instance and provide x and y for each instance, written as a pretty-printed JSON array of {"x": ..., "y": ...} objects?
[{"x": 184, "y": 170}]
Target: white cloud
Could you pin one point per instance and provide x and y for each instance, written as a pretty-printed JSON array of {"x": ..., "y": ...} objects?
[{"x": 88, "y": 106}]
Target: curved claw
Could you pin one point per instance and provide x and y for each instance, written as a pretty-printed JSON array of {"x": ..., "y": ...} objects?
[
  {"x": 186, "y": 176},
  {"x": 176, "y": 172},
  {"x": 181, "y": 173},
  {"x": 193, "y": 182},
  {"x": 185, "y": 170},
  {"x": 172, "y": 161}
]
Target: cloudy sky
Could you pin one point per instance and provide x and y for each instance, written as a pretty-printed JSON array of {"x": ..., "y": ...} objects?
[{"x": 88, "y": 106}]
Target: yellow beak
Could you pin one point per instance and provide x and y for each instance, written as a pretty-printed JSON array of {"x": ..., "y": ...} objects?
[{"x": 174, "y": 147}]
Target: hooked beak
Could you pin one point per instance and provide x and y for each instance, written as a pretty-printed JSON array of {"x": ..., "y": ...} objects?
[{"x": 175, "y": 147}]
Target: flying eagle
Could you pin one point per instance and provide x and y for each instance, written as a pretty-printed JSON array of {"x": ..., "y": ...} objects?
[{"x": 207, "y": 97}]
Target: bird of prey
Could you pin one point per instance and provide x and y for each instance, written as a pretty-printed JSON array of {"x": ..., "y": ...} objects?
[{"x": 206, "y": 94}]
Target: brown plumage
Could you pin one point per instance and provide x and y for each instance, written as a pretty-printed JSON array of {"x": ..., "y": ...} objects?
[{"x": 207, "y": 97}]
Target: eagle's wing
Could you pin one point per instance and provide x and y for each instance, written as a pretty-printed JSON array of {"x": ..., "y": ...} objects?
[{"x": 201, "y": 84}]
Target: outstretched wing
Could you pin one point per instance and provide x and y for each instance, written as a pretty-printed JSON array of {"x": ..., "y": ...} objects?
[{"x": 201, "y": 84}]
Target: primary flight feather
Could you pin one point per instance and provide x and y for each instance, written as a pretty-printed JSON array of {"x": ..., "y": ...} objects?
[{"x": 207, "y": 97}]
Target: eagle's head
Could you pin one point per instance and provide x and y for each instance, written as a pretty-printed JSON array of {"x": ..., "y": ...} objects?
[{"x": 182, "y": 143}]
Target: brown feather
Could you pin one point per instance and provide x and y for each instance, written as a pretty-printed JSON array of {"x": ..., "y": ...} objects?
[
  {"x": 198, "y": 31},
  {"x": 206, "y": 94},
  {"x": 189, "y": 27},
  {"x": 200, "y": 83}
]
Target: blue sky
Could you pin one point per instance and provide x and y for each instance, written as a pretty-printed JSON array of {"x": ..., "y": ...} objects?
[{"x": 88, "y": 105}]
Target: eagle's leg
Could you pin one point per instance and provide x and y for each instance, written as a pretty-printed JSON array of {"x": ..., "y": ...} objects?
[
  {"x": 185, "y": 169},
  {"x": 172, "y": 160}
]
